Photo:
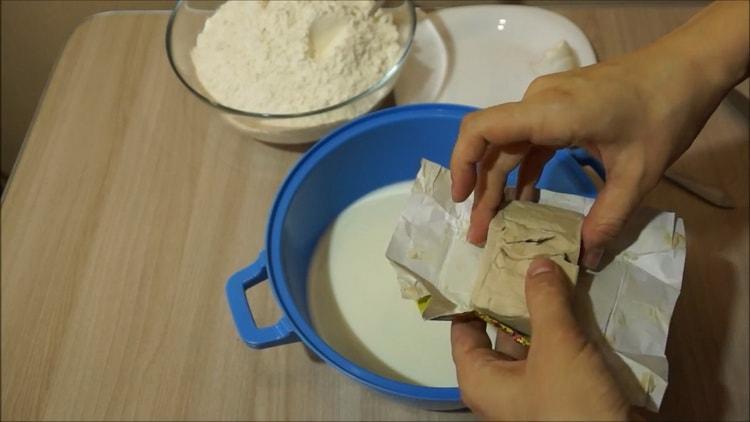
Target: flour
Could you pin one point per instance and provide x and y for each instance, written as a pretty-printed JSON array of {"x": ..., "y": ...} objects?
[{"x": 283, "y": 57}]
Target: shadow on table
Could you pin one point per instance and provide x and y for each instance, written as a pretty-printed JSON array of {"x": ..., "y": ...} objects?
[{"x": 695, "y": 368}]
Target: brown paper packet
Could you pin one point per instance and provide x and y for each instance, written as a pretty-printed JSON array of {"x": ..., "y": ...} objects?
[{"x": 519, "y": 233}]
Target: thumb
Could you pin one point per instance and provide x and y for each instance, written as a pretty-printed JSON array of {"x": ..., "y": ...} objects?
[
  {"x": 549, "y": 298},
  {"x": 611, "y": 209}
]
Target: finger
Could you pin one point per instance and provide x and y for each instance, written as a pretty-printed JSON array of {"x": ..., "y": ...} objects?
[
  {"x": 616, "y": 201},
  {"x": 501, "y": 125},
  {"x": 488, "y": 194},
  {"x": 482, "y": 376},
  {"x": 530, "y": 170},
  {"x": 549, "y": 297},
  {"x": 487, "y": 197}
]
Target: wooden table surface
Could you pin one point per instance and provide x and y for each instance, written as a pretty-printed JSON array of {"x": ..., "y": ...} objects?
[{"x": 132, "y": 203}]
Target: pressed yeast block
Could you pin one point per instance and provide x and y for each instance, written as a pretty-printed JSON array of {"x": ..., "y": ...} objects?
[{"x": 519, "y": 233}]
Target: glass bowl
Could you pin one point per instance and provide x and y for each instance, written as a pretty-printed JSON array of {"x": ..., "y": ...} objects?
[{"x": 186, "y": 23}]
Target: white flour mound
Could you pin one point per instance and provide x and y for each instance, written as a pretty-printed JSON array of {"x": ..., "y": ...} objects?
[{"x": 293, "y": 56}]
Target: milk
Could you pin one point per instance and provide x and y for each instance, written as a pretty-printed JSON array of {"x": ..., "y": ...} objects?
[{"x": 355, "y": 302}]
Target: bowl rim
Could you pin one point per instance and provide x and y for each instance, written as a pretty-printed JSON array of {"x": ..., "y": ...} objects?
[{"x": 377, "y": 85}]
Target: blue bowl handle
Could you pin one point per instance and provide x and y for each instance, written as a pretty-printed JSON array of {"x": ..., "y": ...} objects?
[
  {"x": 585, "y": 159},
  {"x": 258, "y": 338}
]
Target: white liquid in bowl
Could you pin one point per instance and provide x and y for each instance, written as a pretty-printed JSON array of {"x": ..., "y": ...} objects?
[{"x": 355, "y": 302}]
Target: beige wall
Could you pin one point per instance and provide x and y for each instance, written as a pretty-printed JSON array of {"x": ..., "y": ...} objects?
[{"x": 33, "y": 33}]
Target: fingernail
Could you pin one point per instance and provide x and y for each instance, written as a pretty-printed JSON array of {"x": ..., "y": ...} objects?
[
  {"x": 592, "y": 258},
  {"x": 540, "y": 266},
  {"x": 471, "y": 238},
  {"x": 475, "y": 239}
]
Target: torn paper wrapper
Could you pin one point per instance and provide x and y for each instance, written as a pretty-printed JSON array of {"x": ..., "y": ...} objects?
[
  {"x": 429, "y": 243},
  {"x": 631, "y": 299},
  {"x": 520, "y": 232}
]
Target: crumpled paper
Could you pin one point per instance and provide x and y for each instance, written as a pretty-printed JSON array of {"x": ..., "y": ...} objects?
[
  {"x": 429, "y": 243},
  {"x": 520, "y": 232},
  {"x": 629, "y": 303}
]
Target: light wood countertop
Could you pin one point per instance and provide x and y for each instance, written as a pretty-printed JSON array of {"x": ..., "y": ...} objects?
[{"x": 132, "y": 202}]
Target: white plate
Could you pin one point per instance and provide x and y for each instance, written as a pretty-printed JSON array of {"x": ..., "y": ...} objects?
[{"x": 483, "y": 55}]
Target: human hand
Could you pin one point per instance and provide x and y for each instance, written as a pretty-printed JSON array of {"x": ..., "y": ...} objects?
[
  {"x": 637, "y": 114},
  {"x": 564, "y": 376}
]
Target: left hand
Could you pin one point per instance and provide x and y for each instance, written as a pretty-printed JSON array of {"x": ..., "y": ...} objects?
[{"x": 564, "y": 377}]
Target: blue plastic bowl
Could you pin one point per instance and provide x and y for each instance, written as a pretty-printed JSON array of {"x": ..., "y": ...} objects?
[{"x": 370, "y": 152}]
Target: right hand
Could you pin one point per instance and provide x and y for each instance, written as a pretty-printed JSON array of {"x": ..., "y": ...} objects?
[{"x": 636, "y": 114}]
